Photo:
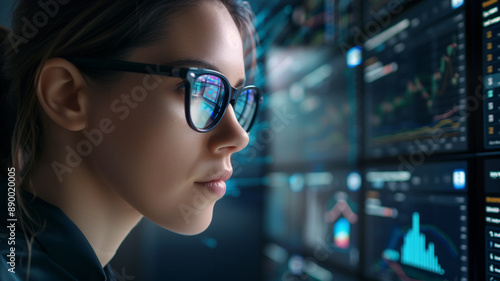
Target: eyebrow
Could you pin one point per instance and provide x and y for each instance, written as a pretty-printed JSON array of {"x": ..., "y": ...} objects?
[{"x": 202, "y": 64}]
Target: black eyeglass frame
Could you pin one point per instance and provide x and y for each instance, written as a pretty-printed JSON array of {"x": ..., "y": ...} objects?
[{"x": 188, "y": 74}]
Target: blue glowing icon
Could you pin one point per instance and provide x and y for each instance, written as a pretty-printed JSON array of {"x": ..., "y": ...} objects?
[
  {"x": 296, "y": 182},
  {"x": 354, "y": 181},
  {"x": 354, "y": 57},
  {"x": 456, "y": 3},
  {"x": 342, "y": 233},
  {"x": 296, "y": 264},
  {"x": 459, "y": 179}
]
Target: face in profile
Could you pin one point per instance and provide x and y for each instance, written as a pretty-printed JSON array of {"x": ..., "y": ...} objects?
[{"x": 153, "y": 160}]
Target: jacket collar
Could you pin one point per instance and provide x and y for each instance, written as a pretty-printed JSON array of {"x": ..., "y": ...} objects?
[{"x": 63, "y": 241}]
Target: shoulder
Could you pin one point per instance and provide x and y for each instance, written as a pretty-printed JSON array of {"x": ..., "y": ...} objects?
[
  {"x": 16, "y": 261},
  {"x": 57, "y": 249}
]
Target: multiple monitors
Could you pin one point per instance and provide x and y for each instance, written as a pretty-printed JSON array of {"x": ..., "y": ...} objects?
[
  {"x": 399, "y": 122},
  {"x": 411, "y": 220}
]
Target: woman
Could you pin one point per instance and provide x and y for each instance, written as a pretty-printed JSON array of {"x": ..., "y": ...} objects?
[{"x": 121, "y": 113}]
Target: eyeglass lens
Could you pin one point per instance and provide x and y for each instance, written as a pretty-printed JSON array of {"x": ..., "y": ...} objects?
[
  {"x": 207, "y": 102},
  {"x": 245, "y": 106},
  {"x": 207, "y": 97}
]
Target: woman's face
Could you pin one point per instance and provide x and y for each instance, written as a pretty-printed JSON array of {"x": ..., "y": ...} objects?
[{"x": 149, "y": 155}]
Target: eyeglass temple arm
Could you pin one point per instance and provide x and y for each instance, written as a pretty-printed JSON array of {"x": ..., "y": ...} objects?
[{"x": 109, "y": 64}]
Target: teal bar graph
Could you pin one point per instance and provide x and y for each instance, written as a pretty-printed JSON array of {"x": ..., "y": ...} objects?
[{"x": 414, "y": 252}]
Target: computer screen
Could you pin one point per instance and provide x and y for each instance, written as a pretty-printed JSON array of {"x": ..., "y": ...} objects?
[
  {"x": 313, "y": 217},
  {"x": 411, "y": 94},
  {"x": 492, "y": 209},
  {"x": 415, "y": 82},
  {"x": 491, "y": 72},
  {"x": 312, "y": 107},
  {"x": 416, "y": 222}
]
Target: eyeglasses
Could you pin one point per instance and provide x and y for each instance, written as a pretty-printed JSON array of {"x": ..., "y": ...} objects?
[{"x": 207, "y": 92}]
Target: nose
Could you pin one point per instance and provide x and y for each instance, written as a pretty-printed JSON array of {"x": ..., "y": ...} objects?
[{"x": 228, "y": 137}]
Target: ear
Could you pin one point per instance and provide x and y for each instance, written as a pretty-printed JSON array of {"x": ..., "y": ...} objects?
[{"x": 62, "y": 93}]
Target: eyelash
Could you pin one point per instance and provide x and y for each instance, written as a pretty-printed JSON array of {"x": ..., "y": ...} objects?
[{"x": 181, "y": 87}]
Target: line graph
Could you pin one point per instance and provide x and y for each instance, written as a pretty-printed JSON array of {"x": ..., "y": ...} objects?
[
  {"x": 423, "y": 96},
  {"x": 446, "y": 127},
  {"x": 439, "y": 81}
]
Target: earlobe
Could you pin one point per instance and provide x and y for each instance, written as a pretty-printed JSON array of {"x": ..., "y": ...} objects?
[{"x": 61, "y": 91}]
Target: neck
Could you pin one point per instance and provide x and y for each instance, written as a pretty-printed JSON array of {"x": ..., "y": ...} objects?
[{"x": 94, "y": 207}]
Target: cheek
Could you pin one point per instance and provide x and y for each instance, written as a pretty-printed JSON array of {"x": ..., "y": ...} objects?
[{"x": 149, "y": 157}]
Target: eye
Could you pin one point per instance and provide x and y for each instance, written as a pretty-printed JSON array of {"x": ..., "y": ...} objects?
[{"x": 181, "y": 87}]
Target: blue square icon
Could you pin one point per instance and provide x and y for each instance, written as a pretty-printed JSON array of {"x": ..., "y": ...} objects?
[
  {"x": 459, "y": 179},
  {"x": 354, "y": 57}
]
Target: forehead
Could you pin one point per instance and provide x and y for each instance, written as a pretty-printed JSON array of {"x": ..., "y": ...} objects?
[{"x": 203, "y": 32}]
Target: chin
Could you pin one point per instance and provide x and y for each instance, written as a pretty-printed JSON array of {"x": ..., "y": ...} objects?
[
  {"x": 190, "y": 223},
  {"x": 194, "y": 230}
]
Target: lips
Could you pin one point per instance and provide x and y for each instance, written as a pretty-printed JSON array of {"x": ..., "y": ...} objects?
[
  {"x": 222, "y": 175},
  {"x": 215, "y": 183}
]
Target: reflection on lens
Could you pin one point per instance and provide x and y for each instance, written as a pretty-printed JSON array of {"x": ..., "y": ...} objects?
[
  {"x": 245, "y": 107},
  {"x": 206, "y": 100}
]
